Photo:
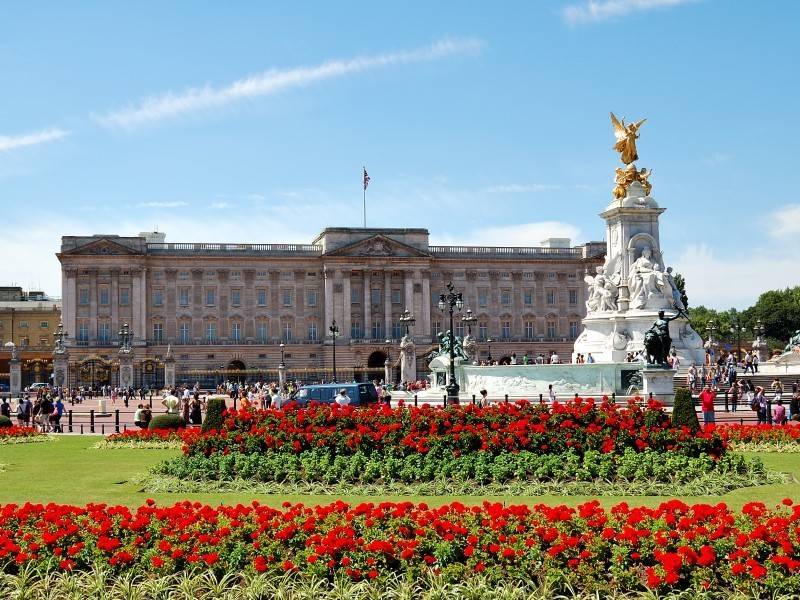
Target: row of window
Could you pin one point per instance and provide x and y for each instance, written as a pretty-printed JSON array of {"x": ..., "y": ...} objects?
[
  {"x": 42, "y": 324},
  {"x": 529, "y": 329},
  {"x": 287, "y": 297}
]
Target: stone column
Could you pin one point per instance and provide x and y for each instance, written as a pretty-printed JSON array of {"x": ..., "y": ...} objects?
[
  {"x": 408, "y": 283},
  {"x": 387, "y": 304},
  {"x": 367, "y": 305},
  {"x": 94, "y": 292},
  {"x": 114, "y": 300},
  {"x": 69, "y": 300},
  {"x": 426, "y": 305},
  {"x": 346, "y": 306},
  {"x": 328, "y": 299},
  {"x": 143, "y": 306}
]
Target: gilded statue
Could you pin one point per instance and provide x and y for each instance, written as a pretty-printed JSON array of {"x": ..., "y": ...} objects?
[
  {"x": 627, "y": 175},
  {"x": 626, "y": 135}
]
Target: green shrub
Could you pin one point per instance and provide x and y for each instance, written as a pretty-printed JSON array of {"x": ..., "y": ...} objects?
[
  {"x": 683, "y": 413},
  {"x": 5, "y": 421},
  {"x": 167, "y": 422},
  {"x": 214, "y": 409}
]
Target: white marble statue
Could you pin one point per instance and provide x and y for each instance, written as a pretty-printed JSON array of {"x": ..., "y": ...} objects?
[
  {"x": 677, "y": 302},
  {"x": 603, "y": 291}
]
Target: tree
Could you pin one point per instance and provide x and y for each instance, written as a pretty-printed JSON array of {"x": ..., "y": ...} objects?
[
  {"x": 680, "y": 283},
  {"x": 683, "y": 413},
  {"x": 779, "y": 311}
]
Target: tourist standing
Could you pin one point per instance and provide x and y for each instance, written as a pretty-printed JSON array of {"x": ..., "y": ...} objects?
[
  {"x": 5, "y": 408},
  {"x": 755, "y": 362},
  {"x": 735, "y": 393},
  {"x": 779, "y": 413},
  {"x": 777, "y": 389},
  {"x": 137, "y": 416},
  {"x": 551, "y": 393},
  {"x": 483, "y": 401},
  {"x": 707, "y": 397},
  {"x": 748, "y": 362},
  {"x": 759, "y": 404}
]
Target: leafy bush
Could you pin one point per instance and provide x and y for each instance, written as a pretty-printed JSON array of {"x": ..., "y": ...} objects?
[
  {"x": 683, "y": 413},
  {"x": 5, "y": 422},
  {"x": 215, "y": 408},
  {"x": 167, "y": 422}
]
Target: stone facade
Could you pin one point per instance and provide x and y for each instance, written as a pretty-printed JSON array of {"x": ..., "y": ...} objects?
[
  {"x": 229, "y": 306},
  {"x": 28, "y": 321}
]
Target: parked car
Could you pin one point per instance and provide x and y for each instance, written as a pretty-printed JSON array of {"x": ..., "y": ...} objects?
[
  {"x": 37, "y": 386},
  {"x": 360, "y": 393}
]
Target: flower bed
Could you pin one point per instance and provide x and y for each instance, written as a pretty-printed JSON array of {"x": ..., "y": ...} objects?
[
  {"x": 579, "y": 426},
  {"x": 669, "y": 548},
  {"x": 761, "y": 438},
  {"x": 150, "y": 438},
  {"x": 536, "y": 444},
  {"x": 21, "y": 435},
  {"x": 481, "y": 473}
]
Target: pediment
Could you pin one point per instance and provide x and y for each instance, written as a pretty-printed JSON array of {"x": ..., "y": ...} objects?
[
  {"x": 101, "y": 247},
  {"x": 377, "y": 246}
]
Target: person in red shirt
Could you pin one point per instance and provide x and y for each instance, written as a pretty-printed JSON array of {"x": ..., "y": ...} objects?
[{"x": 707, "y": 397}]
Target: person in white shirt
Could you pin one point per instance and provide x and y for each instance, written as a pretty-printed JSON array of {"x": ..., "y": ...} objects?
[
  {"x": 513, "y": 358},
  {"x": 343, "y": 399},
  {"x": 277, "y": 400},
  {"x": 551, "y": 392},
  {"x": 554, "y": 359}
]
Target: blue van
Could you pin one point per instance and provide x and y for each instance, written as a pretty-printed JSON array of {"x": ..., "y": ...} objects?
[{"x": 360, "y": 394}]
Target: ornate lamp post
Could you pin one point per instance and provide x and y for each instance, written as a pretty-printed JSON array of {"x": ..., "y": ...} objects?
[
  {"x": 737, "y": 329},
  {"x": 450, "y": 301},
  {"x": 711, "y": 328},
  {"x": 334, "y": 331},
  {"x": 282, "y": 368},
  {"x": 468, "y": 319},
  {"x": 489, "y": 357},
  {"x": 407, "y": 320},
  {"x": 387, "y": 364},
  {"x": 760, "y": 344}
]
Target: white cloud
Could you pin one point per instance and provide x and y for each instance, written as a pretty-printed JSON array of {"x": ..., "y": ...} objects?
[
  {"x": 220, "y": 205},
  {"x": 516, "y": 188},
  {"x": 31, "y": 139},
  {"x": 592, "y": 11},
  {"x": 736, "y": 279},
  {"x": 785, "y": 222},
  {"x": 716, "y": 159},
  {"x": 174, "y": 104},
  {"x": 524, "y": 234},
  {"x": 170, "y": 204}
]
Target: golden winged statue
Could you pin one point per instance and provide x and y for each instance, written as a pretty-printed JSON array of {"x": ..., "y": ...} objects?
[{"x": 626, "y": 135}]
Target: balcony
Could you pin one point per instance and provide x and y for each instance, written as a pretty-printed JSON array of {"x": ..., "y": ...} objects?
[
  {"x": 235, "y": 249},
  {"x": 504, "y": 252}
]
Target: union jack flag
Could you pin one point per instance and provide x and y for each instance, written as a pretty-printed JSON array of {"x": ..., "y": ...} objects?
[{"x": 366, "y": 178}]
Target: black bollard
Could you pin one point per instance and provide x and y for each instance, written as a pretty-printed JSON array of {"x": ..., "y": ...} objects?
[
  {"x": 116, "y": 420},
  {"x": 613, "y": 397},
  {"x": 103, "y": 428},
  {"x": 541, "y": 399},
  {"x": 69, "y": 421},
  {"x": 91, "y": 421},
  {"x": 444, "y": 401},
  {"x": 81, "y": 428},
  {"x": 506, "y": 398},
  {"x": 415, "y": 399},
  {"x": 234, "y": 403},
  {"x": 473, "y": 398}
]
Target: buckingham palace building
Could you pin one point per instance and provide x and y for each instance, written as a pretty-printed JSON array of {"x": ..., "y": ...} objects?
[{"x": 233, "y": 311}]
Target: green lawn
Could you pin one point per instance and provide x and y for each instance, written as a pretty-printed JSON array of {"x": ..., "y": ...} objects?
[{"x": 69, "y": 470}]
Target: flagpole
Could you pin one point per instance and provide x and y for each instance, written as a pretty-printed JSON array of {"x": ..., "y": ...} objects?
[{"x": 364, "y": 187}]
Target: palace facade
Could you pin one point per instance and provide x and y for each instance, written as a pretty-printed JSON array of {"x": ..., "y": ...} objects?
[{"x": 232, "y": 310}]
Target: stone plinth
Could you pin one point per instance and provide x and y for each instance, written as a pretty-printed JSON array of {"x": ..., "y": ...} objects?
[
  {"x": 15, "y": 377},
  {"x": 281, "y": 375},
  {"x": 60, "y": 370},
  {"x": 126, "y": 369},
  {"x": 660, "y": 382},
  {"x": 528, "y": 381}
]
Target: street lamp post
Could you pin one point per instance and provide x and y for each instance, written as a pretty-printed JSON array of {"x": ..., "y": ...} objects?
[
  {"x": 387, "y": 364},
  {"x": 450, "y": 301},
  {"x": 282, "y": 369},
  {"x": 711, "y": 329},
  {"x": 489, "y": 357},
  {"x": 334, "y": 331},
  {"x": 468, "y": 319},
  {"x": 738, "y": 329},
  {"x": 407, "y": 320}
]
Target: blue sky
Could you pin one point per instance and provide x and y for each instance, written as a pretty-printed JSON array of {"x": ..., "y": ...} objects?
[{"x": 487, "y": 124}]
